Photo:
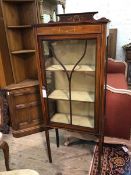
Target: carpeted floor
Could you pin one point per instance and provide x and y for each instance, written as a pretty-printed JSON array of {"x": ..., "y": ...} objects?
[
  {"x": 116, "y": 161},
  {"x": 30, "y": 152}
]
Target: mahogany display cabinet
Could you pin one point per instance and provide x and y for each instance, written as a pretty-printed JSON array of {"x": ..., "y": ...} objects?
[{"x": 71, "y": 63}]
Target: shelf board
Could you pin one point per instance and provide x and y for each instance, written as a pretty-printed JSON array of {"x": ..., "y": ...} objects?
[
  {"x": 19, "y": 26},
  {"x": 22, "y": 51},
  {"x": 85, "y": 121},
  {"x": 79, "y": 68},
  {"x": 82, "y": 96}
]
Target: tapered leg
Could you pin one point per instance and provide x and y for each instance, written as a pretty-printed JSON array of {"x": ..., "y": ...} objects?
[
  {"x": 101, "y": 141},
  {"x": 57, "y": 137},
  {"x": 4, "y": 146},
  {"x": 48, "y": 145}
]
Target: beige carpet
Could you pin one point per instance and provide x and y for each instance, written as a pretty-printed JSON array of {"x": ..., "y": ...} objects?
[{"x": 29, "y": 152}]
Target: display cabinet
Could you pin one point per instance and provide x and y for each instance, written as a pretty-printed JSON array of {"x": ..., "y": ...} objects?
[
  {"x": 19, "y": 17},
  {"x": 71, "y": 63}
]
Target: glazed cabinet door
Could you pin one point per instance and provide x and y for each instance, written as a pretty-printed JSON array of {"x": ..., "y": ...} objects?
[{"x": 70, "y": 68}]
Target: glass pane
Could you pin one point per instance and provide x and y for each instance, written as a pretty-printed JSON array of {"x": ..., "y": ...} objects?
[{"x": 70, "y": 79}]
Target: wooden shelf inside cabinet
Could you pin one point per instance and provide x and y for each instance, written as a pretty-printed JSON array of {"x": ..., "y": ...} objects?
[
  {"x": 80, "y": 68},
  {"x": 86, "y": 121},
  {"x": 23, "y": 52},
  {"x": 19, "y": 26},
  {"x": 75, "y": 95}
]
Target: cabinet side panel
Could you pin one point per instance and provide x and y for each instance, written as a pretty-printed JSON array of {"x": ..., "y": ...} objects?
[
  {"x": 2, "y": 76},
  {"x": 5, "y": 64}
]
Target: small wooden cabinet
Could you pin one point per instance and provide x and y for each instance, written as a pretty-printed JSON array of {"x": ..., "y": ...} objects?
[
  {"x": 25, "y": 108},
  {"x": 72, "y": 74}
]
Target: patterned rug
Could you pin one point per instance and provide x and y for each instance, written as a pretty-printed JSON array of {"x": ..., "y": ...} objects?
[{"x": 116, "y": 161}]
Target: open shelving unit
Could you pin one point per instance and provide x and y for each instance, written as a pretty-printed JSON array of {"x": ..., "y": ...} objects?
[{"x": 20, "y": 15}]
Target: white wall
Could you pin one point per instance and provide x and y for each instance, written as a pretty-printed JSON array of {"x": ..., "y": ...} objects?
[{"x": 118, "y": 11}]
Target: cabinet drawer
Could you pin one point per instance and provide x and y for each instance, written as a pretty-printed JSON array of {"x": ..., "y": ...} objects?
[
  {"x": 25, "y": 91},
  {"x": 26, "y": 95}
]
